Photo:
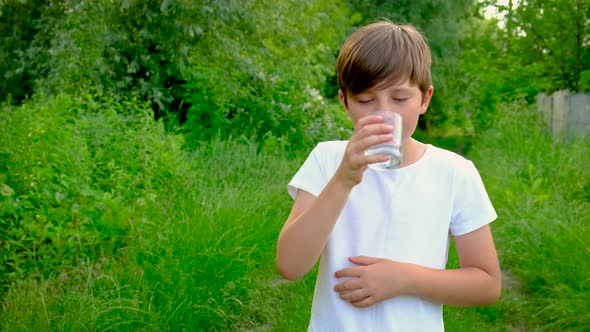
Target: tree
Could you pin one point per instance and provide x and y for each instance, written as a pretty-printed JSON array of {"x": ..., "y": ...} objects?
[
  {"x": 132, "y": 49},
  {"x": 259, "y": 67},
  {"x": 553, "y": 36},
  {"x": 26, "y": 29}
]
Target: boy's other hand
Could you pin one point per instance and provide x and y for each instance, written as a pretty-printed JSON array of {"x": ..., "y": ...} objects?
[
  {"x": 373, "y": 280},
  {"x": 369, "y": 131}
]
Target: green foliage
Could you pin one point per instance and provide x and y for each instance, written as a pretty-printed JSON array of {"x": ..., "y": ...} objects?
[
  {"x": 538, "y": 46},
  {"x": 117, "y": 227},
  {"x": 265, "y": 80},
  {"x": 554, "y": 35},
  {"x": 218, "y": 64},
  {"x": 108, "y": 223},
  {"x": 25, "y": 32},
  {"x": 147, "y": 46},
  {"x": 131, "y": 49},
  {"x": 74, "y": 175},
  {"x": 542, "y": 195},
  {"x": 265, "y": 69}
]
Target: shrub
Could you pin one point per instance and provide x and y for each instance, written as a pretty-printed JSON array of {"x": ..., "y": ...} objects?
[
  {"x": 109, "y": 223},
  {"x": 75, "y": 174}
]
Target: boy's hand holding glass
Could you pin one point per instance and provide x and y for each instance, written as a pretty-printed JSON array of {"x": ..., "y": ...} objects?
[
  {"x": 369, "y": 131},
  {"x": 392, "y": 148}
]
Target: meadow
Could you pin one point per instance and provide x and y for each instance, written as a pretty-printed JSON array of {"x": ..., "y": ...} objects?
[
  {"x": 145, "y": 153},
  {"x": 110, "y": 223}
]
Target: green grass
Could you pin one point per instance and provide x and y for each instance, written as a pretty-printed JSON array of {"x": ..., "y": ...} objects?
[
  {"x": 540, "y": 186},
  {"x": 125, "y": 230},
  {"x": 108, "y": 223}
]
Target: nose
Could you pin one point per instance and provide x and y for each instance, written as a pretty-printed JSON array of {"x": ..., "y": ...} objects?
[{"x": 385, "y": 105}]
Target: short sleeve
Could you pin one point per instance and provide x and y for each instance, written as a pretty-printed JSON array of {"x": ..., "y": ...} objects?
[
  {"x": 472, "y": 208},
  {"x": 310, "y": 177}
]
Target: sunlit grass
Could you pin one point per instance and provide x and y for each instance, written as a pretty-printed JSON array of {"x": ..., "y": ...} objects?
[
  {"x": 189, "y": 233},
  {"x": 124, "y": 229}
]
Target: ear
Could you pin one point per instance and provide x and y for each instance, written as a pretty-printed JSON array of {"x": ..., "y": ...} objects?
[
  {"x": 426, "y": 99},
  {"x": 343, "y": 101}
]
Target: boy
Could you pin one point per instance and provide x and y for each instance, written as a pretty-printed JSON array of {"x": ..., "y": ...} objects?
[{"x": 382, "y": 235}]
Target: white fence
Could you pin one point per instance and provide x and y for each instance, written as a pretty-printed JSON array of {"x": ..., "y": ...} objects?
[{"x": 565, "y": 114}]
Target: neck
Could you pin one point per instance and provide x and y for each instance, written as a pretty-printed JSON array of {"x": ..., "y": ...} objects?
[{"x": 412, "y": 151}]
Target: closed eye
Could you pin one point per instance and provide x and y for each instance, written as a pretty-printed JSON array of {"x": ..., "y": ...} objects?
[
  {"x": 400, "y": 99},
  {"x": 365, "y": 101}
]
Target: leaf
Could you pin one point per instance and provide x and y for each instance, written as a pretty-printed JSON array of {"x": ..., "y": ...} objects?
[
  {"x": 537, "y": 183},
  {"x": 90, "y": 193},
  {"x": 6, "y": 191}
]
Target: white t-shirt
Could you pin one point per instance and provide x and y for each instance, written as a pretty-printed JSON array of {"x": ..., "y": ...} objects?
[{"x": 404, "y": 214}]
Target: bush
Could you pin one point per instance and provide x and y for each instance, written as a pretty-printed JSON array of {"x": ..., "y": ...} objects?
[
  {"x": 109, "y": 223},
  {"x": 253, "y": 68},
  {"x": 74, "y": 176},
  {"x": 265, "y": 80}
]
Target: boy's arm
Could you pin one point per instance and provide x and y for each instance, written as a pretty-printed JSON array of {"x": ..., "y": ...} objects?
[
  {"x": 477, "y": 282},
  {"x": 312, "y": 219},
  {"x": 308, "y": 228}
]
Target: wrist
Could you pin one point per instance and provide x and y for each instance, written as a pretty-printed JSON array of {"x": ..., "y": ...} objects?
[
  {"x": 410, "y": 284},
  {"x": 343, "y": 182},
  {"x": 346, "y": 180}
]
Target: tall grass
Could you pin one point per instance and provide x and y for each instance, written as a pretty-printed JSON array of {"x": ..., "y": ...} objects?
[
  {"x": 108, "y": 223},
  {"x": 540, "y": 186}
]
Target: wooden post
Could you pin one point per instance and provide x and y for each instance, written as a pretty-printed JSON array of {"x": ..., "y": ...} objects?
[
  {"x": 565, "y": 114},
  {"x": 578, "y": 121},
  {"x": 545, "y": 108},
  {"x": 560, "y": 112}
]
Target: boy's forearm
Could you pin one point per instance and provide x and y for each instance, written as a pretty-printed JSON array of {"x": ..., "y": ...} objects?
[
  {"x": 302, "y": 240},
  {"x": 468, "y": 286}
]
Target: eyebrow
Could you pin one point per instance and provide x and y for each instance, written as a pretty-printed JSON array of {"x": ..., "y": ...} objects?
[
  {"x": 400, "y": 89},
  {"x": 395, "y": 89}
]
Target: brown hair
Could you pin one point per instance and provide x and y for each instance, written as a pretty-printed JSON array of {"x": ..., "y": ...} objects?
[{"x": 383, "y": 53}]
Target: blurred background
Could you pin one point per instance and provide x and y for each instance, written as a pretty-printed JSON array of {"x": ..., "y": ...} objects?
[{"x": 145, "y": 148}]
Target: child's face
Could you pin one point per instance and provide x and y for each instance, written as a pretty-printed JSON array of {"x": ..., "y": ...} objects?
[{"x": 404, "y": 98}]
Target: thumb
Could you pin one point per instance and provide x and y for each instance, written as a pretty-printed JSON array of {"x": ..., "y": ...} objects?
[{"x": 363, "y": 260}]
